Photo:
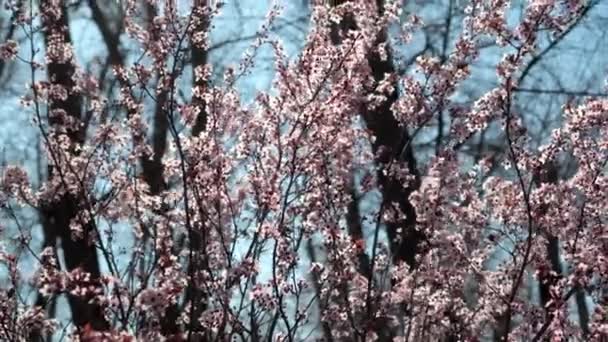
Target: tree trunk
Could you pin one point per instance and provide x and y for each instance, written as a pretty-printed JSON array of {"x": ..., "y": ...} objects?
[
  {"x": 390, "y": 146},
  {"x": 78, "y": 252}
]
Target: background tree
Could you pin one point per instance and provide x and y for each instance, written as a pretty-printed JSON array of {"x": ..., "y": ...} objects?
[{"x": 388, "y": 176}]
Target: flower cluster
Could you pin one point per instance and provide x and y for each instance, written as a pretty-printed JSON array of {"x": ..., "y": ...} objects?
[
  {"x": 9, "y": 50},
  {"x": 171, "y": 209}
]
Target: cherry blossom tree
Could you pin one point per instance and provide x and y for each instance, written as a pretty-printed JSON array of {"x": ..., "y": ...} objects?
[{"x": 173, "y": 209}]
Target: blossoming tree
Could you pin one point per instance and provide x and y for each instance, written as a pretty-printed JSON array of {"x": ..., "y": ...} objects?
[{"x": 173, "y": 210}]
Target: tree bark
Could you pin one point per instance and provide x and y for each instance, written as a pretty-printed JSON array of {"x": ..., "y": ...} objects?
[
  {"x": 391, "y": 145},
  {"x": 549, "y": 174},
  {"x": 78, "y": 252}
]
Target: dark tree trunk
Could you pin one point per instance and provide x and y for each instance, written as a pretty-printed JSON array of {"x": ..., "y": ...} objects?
[
  {"x": 391, "y": 146},
  {"x": 78, "y": 252},
  {"x": 194, "y": 295},
  {"x": 549, "y": 174},
  {"x": 199, "y": 59}
]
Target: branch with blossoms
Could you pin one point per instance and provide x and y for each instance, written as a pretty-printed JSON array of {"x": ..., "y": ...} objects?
[{"x": 226, "y": 219}]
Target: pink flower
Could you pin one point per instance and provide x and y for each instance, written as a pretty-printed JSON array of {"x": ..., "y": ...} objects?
[{"x": 9, "y": 50}]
